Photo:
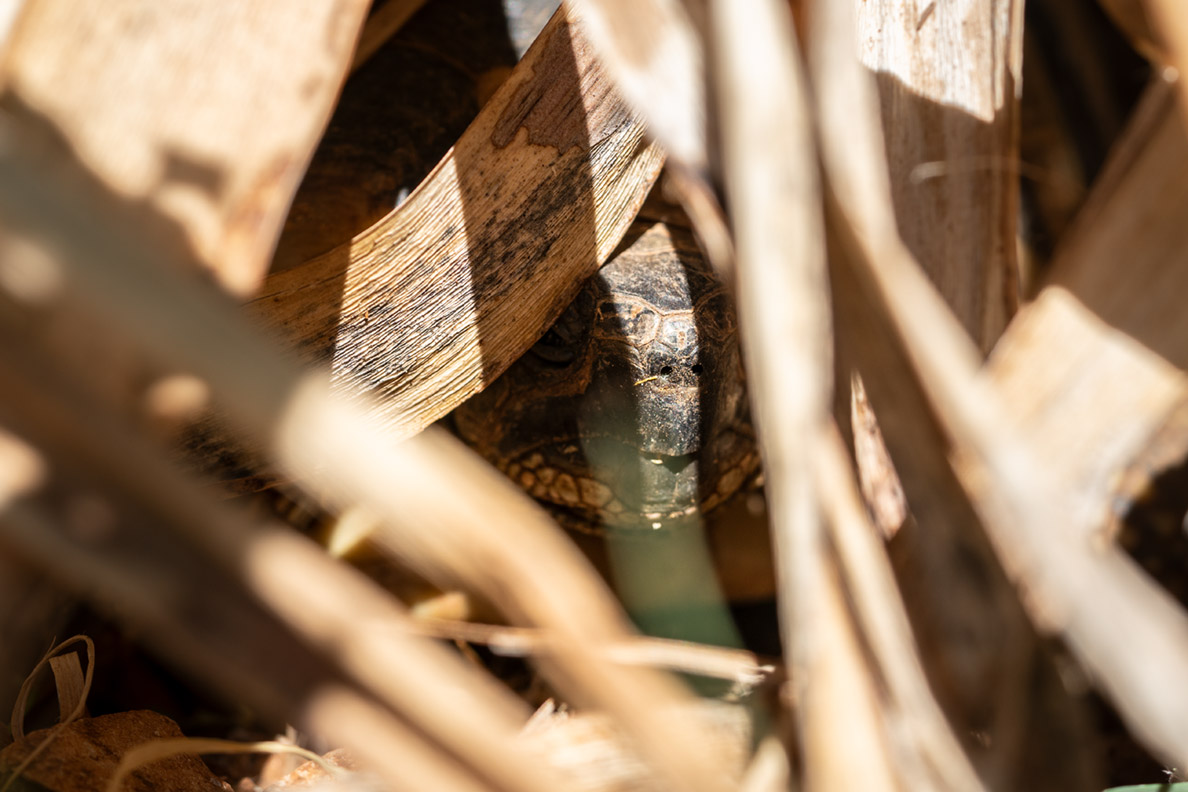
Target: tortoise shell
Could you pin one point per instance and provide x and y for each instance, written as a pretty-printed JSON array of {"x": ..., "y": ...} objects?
[{"x": 631, "y": 411}]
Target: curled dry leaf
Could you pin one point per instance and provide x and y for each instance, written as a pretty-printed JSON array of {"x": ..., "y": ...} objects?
[{"x": 436, "y": 300}]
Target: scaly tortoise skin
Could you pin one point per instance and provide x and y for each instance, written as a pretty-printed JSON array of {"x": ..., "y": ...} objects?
[{"x": 631, "y": 412}]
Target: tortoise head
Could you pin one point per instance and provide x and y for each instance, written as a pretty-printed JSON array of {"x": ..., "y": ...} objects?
[{"x": 631, "y": 410}]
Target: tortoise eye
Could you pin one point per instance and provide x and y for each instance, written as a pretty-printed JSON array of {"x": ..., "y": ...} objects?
[{"x": 555, "y": 349}]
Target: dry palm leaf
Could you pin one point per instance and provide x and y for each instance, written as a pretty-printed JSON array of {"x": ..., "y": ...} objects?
[{"x": 436, "y": 300}]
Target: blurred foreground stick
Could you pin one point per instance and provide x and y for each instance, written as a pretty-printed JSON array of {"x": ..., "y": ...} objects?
[
  {"x": 768, "y": 168},
  {"x": 309, "y": 667},
  {"x": 207, "y": 113},
  {"x": 203, "y": 113},
  {"x": 905, "y": 739},
  {"x": 488, "y": 537},
  {"x": 449, "y": 726}
]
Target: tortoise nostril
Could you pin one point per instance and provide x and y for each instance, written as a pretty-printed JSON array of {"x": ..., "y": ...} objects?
[
  {"x": 696, "y": 369},
  {"x": 665, "y": 371},
  {"x": 675, "y": 464}
]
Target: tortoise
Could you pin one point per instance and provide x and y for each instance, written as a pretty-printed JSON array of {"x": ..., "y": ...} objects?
[{"x": 630, "y": 412}]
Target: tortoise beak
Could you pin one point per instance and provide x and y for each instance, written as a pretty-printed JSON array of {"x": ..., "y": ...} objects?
[{"x": 650, "y": 486}]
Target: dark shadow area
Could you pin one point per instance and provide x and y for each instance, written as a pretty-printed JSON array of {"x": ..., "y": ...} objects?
[
  {"x": 1098, "y": 76},
  {"x": 1081, "y": 80}
]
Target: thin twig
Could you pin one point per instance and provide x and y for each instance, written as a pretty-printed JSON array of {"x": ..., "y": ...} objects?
[{"x": 733, "y": 665}]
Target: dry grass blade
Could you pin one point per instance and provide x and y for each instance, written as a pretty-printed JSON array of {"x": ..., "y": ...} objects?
[
  {"x": 769, "y": 173},
  {"x": 64, "y": 716},
  {"x": 735, "y": 665},
  {"x": 207, "y": 113},
  {"x": 514, "y": 554},
  {"x": 72, "y": 686},
  {"x": 437, "y": 299}
]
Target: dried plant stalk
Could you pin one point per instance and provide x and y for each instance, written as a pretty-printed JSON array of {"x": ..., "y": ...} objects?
[
  {"x": 926, "y": 754},
  {"x": 975, "y": 636},
  {"x": 769, "y": 173},
  {"x": 735, "y": 665}
]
